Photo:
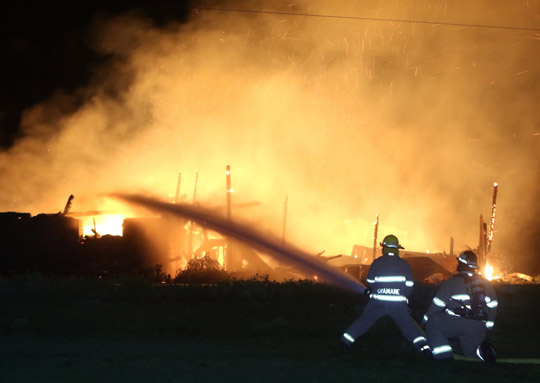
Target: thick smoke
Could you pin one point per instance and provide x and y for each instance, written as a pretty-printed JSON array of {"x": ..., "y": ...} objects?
[{"x": 349, "y": 118}]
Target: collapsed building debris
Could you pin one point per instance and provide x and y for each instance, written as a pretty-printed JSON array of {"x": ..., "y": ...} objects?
[
  {"x": 425, "y": 267},
  {"x": 55, "y": 244}
]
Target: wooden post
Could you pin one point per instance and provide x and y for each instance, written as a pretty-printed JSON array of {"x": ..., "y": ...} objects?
[
  {"x": 173, "y": 239},
  {"x": 229, "y": 192},
  {"x": 284, "y": 220},
  {"x": 94, "y": 230},
  {"x": 191, "y": 223},
  {"x": 492, "y": 220},
  {"x": 178, "y": 183},
  {"x": 228, "y": 256},
  {"x": 67, "y": 208},
  {"x": 376, "y": 223},
  {"x": 482, "y": 243},
  {"x": 195, "y": 188}
]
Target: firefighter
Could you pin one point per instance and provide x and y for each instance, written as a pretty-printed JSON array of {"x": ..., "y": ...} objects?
[
  {"x": 389, "y": 285},
  {"x": 464, "y": 308}
]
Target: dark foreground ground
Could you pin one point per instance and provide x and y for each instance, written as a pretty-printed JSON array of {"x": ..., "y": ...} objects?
[{"x": 251, "y": 331}]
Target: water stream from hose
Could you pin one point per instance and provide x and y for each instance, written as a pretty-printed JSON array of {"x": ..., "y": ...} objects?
[{"x": 263, "y": 242}]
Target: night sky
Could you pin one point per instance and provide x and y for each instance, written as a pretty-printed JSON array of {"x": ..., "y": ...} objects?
[{"x": 44, "y": 49}]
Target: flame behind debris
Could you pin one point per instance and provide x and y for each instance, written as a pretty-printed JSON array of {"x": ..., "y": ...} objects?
[
  {"x": 103, "y": 224},
  {"x": 264, "y": 242},
  {"x": 488, "y": 272}
]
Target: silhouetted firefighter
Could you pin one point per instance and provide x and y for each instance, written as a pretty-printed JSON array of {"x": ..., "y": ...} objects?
[
  {"x": 389, "y": 286},
  {"x": 464, "y": 308}
]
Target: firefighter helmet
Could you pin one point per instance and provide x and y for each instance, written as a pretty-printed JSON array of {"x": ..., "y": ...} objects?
[
  {"x": 469, "y": 259},
  {"x": 391, "y": 241}
]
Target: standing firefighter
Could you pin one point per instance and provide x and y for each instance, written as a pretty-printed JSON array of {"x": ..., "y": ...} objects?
[
  {"x": 389, "y": 285},
  {"x": 464, "y": 308}
]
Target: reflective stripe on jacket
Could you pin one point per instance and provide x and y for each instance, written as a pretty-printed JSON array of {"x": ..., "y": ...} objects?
[
  {"x": 390, "y": 279},
  {"x": 454, "y": 295}
]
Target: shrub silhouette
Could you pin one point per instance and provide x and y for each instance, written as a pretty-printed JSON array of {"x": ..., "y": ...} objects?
[{"x": 202, "y": 270}]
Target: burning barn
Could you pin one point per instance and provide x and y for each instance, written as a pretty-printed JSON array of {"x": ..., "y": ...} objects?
[
  {"x": 56, "y": 244},
  {"x": 59, "y": 244}
]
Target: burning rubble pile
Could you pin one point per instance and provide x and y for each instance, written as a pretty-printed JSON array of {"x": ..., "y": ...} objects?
[{"x": 59, "y": 244}]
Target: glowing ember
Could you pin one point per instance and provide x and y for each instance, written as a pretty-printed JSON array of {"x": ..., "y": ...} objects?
[{"x": 103, "y": 224}]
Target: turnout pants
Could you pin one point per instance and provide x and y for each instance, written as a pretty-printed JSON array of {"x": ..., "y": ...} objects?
[
  {"x": 400, "y": 314},
  {"x": 442, "y": 326}
]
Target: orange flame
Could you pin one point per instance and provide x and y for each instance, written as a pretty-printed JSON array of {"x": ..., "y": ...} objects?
[
  {"x": 104, "y": 224},
  {"x": 489, "y": 272}
]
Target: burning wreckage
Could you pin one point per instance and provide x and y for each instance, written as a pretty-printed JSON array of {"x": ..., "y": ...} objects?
[{"x": 56, "y": 244}]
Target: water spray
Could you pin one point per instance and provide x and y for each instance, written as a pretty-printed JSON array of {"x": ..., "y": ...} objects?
[{"x": 264, "y": 242}]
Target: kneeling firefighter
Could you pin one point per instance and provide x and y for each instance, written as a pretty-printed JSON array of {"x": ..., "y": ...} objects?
[
  {"x": 389, "y": 286},
  {"x": 464, "y": 308}
]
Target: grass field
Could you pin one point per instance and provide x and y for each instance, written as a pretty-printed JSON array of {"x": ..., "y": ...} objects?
[{"x": 128, "y": 330}]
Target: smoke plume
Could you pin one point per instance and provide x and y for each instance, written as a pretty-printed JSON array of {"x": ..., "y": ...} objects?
[{"x": 348, "y": 117}]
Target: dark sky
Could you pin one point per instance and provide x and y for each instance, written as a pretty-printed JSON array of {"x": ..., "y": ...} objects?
[{"x": 43, "y": 49}]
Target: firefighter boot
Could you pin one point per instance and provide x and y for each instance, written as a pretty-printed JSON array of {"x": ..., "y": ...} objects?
[{"x": 486, "y": 352}]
